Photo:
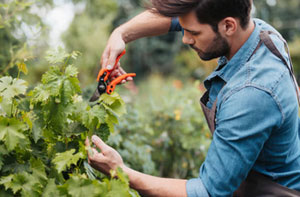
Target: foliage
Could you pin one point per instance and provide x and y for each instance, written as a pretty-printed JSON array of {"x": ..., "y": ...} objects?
[
  {"x": 164, "y": 132},
  {"x": 42, "y": 133},
  {"x": 14, "y": 51}
]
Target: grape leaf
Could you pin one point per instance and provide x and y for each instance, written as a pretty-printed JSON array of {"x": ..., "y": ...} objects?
[
  {"x": 40, "y": 94},
  {"x": 5, "y": 107},
  {"x": 118, "y": 189},
  {"x": 38, "y": 168},
  {"x": 110, "y": 99},
  {"x": 56, "y": 56},
  {"x": 51, "y": 75},
  {"x": 7, "y": 181},
  {"x": 50, "y": 189},
  {"x": 10, "y": 87},
  {"x": 80, "y": 186},
  {"x": 103, "y": 132},
  {"x": 10, "y": 132},
  {"x": 66, "y": 159},
  {"x": 71, "y": 71},
  {"x": 94, "y": 117}
]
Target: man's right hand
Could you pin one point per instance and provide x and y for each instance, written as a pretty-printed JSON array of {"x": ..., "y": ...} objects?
[
  {"x": 113, "y": 49},
  {"x": 143, "y": 25}
]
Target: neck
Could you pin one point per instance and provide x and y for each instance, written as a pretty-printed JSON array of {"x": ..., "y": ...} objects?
[{"x": 240, "y": 37}]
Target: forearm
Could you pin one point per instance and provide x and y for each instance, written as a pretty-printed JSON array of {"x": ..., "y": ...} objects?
[
  {"x": 155, "y": 186},
  {"x": 144, "y": 25}
]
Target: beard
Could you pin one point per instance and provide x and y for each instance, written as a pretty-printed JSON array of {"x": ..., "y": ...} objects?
[{"x": 218, "y": 47}]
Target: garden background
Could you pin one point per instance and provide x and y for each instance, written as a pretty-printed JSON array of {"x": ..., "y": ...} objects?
[{"x": 49, "y": 58}]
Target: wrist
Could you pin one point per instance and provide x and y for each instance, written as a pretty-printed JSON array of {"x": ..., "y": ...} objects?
[{"x": 121, "y": 32}]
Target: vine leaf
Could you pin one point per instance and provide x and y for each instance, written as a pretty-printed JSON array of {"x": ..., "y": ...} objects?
[
  {"x": 10, "y": 87},
  {"x": 66, "y": 159},
  {"x": 51, "y": 189},
  {"x": 10, "y": 132},
  {"x": 56, "y": 56},
  {"x": 80, "y": 186}
]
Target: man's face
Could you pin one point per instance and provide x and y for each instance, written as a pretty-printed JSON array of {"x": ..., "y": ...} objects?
[{"x": 202, "y": 38}]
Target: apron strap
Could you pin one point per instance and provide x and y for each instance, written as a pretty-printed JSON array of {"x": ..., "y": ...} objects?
[{"x": 266, "y": 39}]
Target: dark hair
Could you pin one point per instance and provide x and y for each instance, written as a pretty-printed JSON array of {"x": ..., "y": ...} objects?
[{"x": 208, "y": 11}]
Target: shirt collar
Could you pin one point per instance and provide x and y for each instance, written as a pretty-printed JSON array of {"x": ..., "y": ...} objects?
[{"x": 226, "y": 69}]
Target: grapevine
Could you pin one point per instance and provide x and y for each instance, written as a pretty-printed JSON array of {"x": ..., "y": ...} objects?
[{"x": 42, "y": 133}]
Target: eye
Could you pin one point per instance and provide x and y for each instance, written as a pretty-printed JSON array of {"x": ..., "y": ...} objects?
[{"x": 195, "y": 33}]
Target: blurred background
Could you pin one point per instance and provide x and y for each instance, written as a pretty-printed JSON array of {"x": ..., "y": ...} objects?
[{"x": 164, "y": 132}]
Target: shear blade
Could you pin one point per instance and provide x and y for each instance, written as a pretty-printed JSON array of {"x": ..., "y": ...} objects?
[{"x": 95, "y": 96}]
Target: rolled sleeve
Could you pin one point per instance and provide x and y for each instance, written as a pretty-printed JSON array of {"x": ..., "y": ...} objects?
[{"x": 195, "y": 188}]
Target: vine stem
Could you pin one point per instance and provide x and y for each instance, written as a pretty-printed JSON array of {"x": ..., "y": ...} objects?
[
  {"x": 12, "y": 107},
  {"x": 67, "y": 61}
]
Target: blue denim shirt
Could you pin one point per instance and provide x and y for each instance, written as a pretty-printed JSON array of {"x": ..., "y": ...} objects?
[{"x": 256, "y": 120}]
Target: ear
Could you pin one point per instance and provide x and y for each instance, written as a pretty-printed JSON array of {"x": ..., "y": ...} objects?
[{"x": 228, "y": 26}]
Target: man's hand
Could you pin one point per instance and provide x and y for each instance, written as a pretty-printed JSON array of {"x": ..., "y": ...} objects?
[
  {"x": 114, "y": 47},
  {"x": 106, "y": 160},
  {"x": 109, "y": 159}
]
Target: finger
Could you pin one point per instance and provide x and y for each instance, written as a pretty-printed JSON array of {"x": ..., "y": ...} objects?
[
  {"x": 98, "y": 157},
  {"x": 99, "y": 143},
  {"x": 87, "y": 142},
  {"x": 104, "y": 57},
  {"x": 129, "y": 79},
  {"x": 115, "y": 73},
  {"x": 112, "y": 59},
  {"x": 122, "y": 71}
]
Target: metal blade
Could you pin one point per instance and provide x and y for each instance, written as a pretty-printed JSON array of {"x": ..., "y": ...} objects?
[{"x": 95, "y": 96}]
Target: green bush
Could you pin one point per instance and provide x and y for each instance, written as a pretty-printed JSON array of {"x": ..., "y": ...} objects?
[
  {"x": 42, "y": 135},
  {"x": 164, "y": 132}
]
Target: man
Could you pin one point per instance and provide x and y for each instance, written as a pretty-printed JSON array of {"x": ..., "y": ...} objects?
[{"x": 251, "y": 103}]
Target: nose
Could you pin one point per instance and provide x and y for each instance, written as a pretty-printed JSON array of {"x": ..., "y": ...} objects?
[{"x": 187, "y": 39}]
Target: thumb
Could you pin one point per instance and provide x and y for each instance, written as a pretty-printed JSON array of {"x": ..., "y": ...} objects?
[
  {"x": 99, "y": 143},
  {"x": 111, "y": 61}
]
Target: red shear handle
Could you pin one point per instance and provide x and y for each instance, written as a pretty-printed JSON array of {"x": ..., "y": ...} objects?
[
  {"x": 109, "y": 71},
  {"x": 111, "y": 87}
]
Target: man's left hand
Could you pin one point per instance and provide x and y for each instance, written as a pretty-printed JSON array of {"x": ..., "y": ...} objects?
[{"x": 106, "y": 160}]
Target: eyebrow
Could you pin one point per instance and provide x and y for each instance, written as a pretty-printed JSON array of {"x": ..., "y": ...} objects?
[{"x": 191, "y": 31}]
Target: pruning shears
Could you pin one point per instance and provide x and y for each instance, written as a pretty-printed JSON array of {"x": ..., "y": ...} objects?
[{"x": 104, "y": 85}]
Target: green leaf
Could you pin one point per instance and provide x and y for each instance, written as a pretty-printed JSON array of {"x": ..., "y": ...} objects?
[
  {"x": 122, "y": 176},
  {"x": 38, "y": 168},
  {"x": 5, "y": 107},
  {"x": 110, "y": 99},
  {"x": 75, "y": 54},
  {"x": 37, "y": 130},
  {"x": 10, "y": 132},
  {"x": 1, "y": 161},
  {"x": 66, "y": 159},
  {"x": 51, "y": 189},
  {"x": 103, "y": 132},
  {"x": 7, "y": 181},
  {"x": 23, "y": 181},
  {"x": 79, "y": 186},
  {"x": 40, "y": 94},
  {"x": 71, "y": 71},
  {"x": 94, "y": 117},
  {"x": 10, "y": 87},
  {"x": 52, "y": 75},
  {"x": 56, "y": 56},
  {"x": 118, "y": 189}
]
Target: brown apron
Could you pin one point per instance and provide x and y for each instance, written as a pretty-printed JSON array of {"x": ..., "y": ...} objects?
[{"x": 256, "y": 184}]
